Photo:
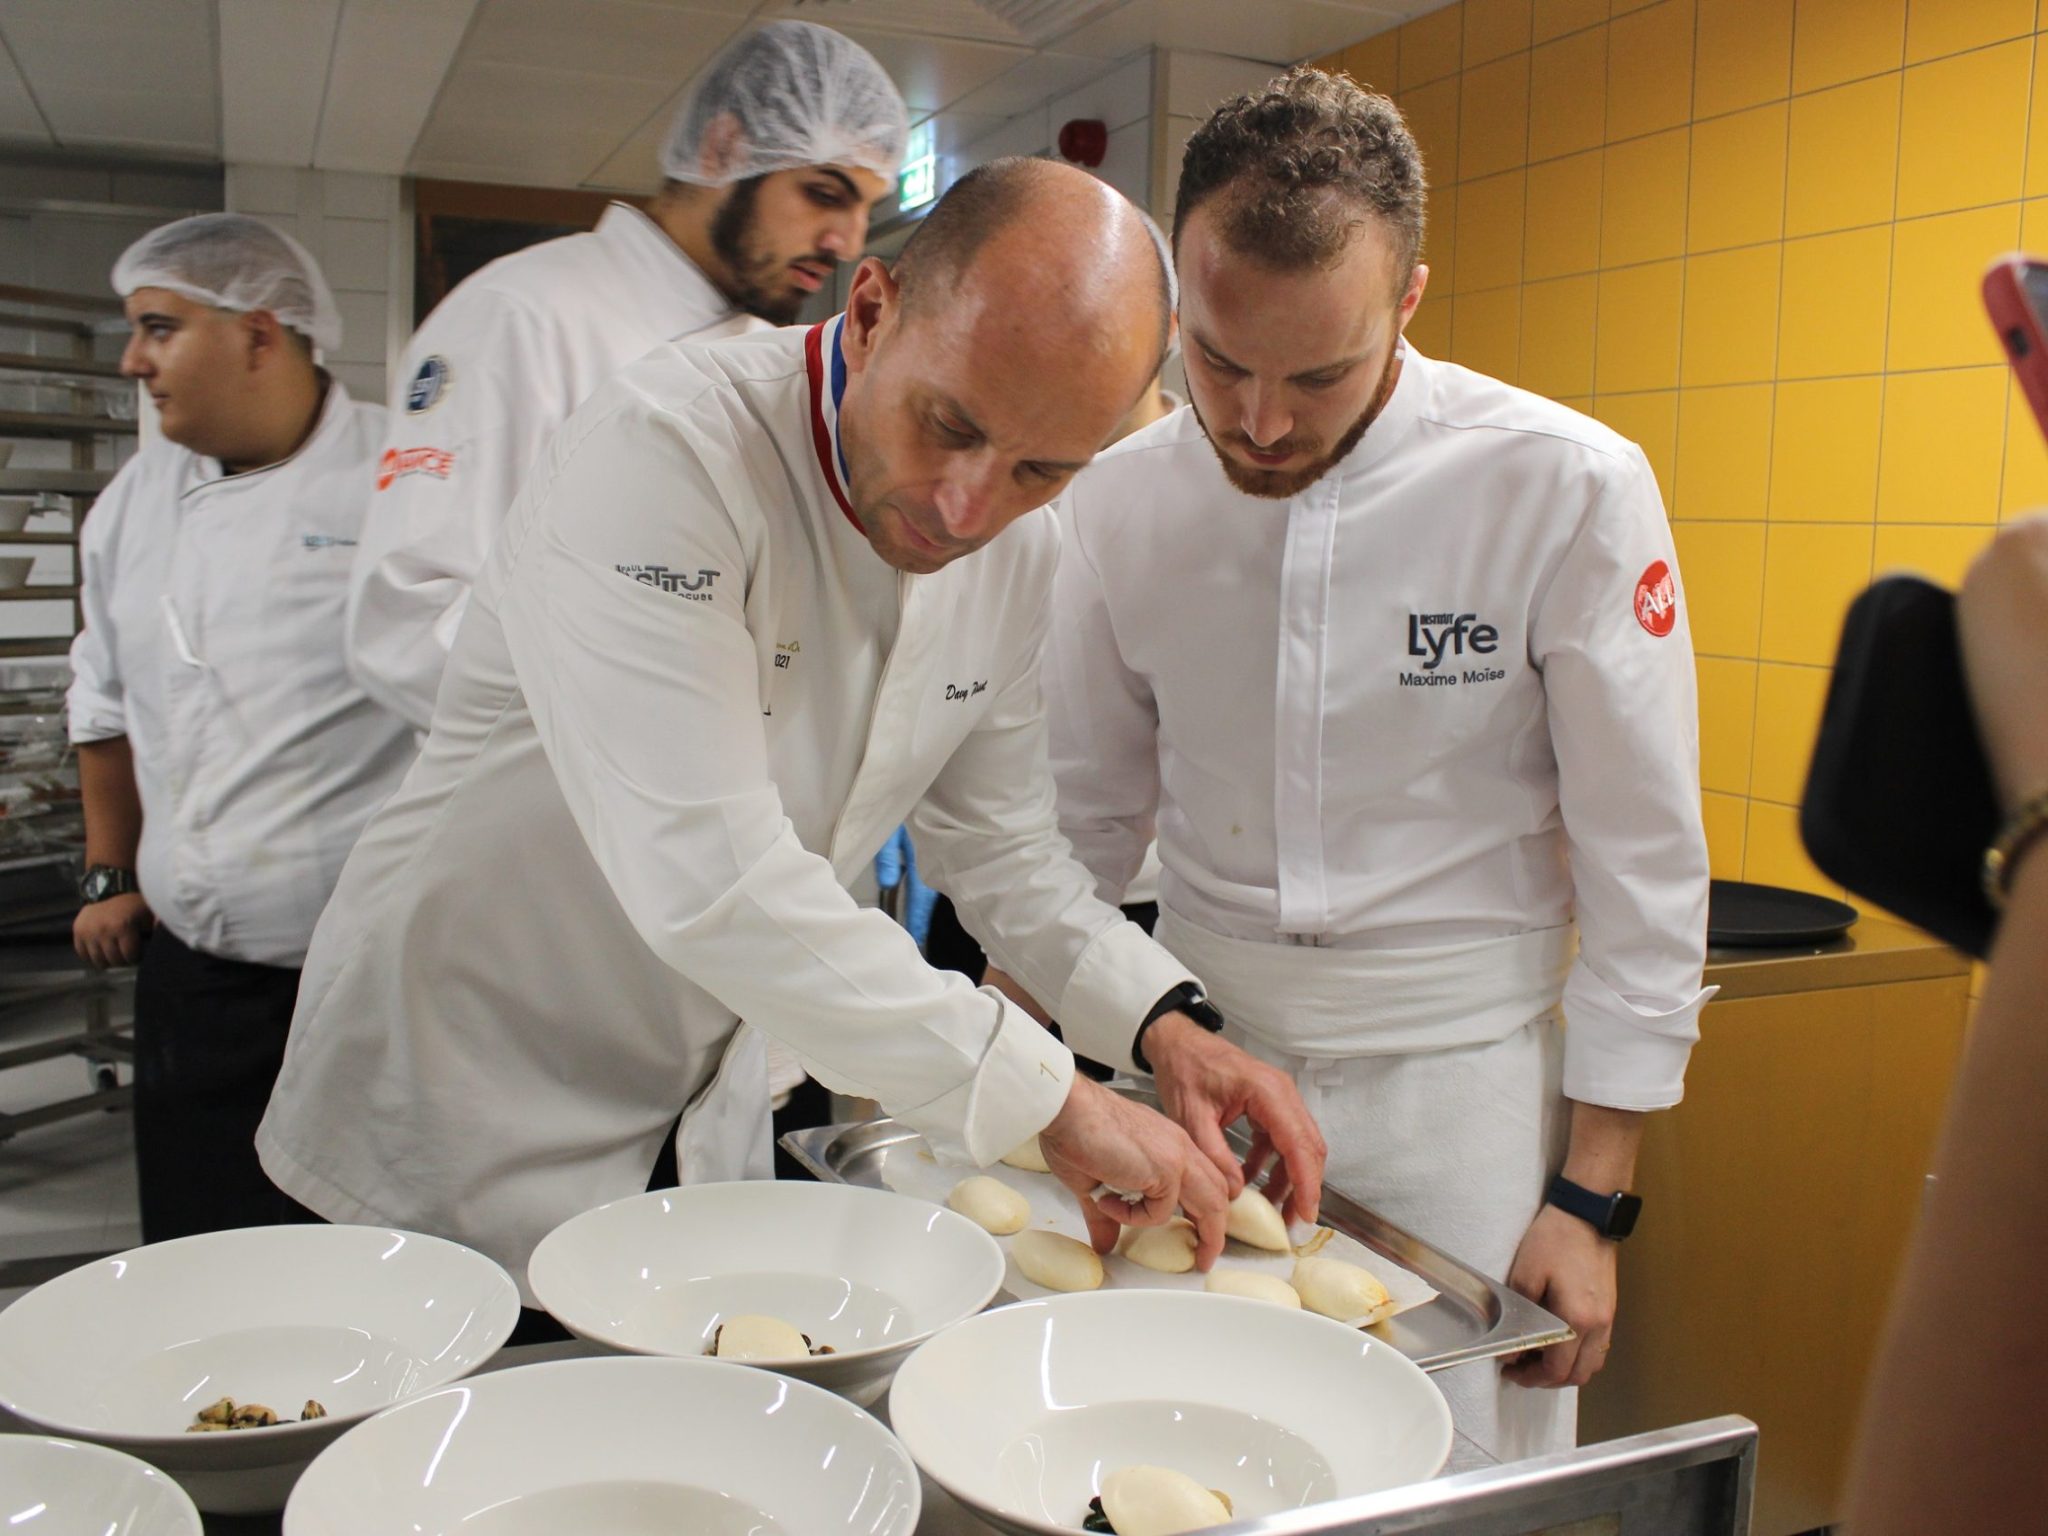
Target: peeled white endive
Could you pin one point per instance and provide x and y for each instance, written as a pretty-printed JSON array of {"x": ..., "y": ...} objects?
[
  {"x": 1169, "y": 1249},
  {"x": 1249, "y": 1282},
  {"x": 991, "y": 1204},
  {"x": 1254, "y": 1220},
  {"x": 750, "y": 1336},
  {"x": 1158, "y": 1501},
  {"x": 1056, "y": 1262},
  {"x": 1030, "y": 1157},
  {"x": 1343, "y": 1291}
]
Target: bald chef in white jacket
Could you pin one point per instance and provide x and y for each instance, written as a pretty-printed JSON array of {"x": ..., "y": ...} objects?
[
  {"x": 1395, "y": 656},
  {"x": 770, "y": 166},
  {"x": 750, "y": 613},
  {"x": 226, "y": 758}
]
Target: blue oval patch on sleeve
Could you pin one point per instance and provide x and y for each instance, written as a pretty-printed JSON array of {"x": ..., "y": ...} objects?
[{"x": 428, "y": 385}]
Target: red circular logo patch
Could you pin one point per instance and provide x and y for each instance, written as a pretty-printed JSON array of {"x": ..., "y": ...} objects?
[{"x": 1657, "y": 600}]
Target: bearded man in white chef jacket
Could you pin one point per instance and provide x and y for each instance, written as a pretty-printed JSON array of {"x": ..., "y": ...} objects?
[
  {"x": 751, "y": 612},
  {"x": 1395, "y": 658},
  {"x": 226, "y": 758},
  {"x": 771, "y": 164}
]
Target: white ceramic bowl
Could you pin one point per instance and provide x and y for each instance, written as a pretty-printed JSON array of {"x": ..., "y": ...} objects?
[
  {"x": 870, "y": 1273},
  {"x": 63, "y": 1488},
  {"x": 124, "y": 1351},
  {"x": 618, "y": 1446},
  {"x": 1019, "y": 1413}
]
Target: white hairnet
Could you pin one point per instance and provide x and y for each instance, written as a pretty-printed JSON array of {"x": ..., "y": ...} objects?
[
  {"x": 231, "y": 261},
  {"x": 801, "y": 94}
]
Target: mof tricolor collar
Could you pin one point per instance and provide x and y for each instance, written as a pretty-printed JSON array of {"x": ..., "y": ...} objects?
[{"x": 825, "y": 361}]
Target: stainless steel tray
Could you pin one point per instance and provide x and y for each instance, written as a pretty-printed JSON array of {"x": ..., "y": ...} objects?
[{"x": 1473, "y": 1317}]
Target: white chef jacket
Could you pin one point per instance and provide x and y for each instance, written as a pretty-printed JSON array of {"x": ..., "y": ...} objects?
[
  {"x": 496, "y": 368},
  {"x": 1444, "y": 694},
  {"x": 632, "y": 826},
  {"x": 213, "y": 642}
]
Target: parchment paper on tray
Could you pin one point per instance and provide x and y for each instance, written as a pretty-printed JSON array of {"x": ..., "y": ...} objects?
[{"x": 1055, "y": 1208}]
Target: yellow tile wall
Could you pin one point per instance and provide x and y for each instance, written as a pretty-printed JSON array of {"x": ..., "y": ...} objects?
[{"x": 1747, "y": 234}]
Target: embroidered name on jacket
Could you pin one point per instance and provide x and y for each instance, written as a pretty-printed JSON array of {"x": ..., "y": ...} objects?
[
  {"x": 697, "y": 587},
  {"x": 1437, "y": 637}
]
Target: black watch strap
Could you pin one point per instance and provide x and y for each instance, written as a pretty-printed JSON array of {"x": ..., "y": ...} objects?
[
  {"x": 1186, "y": 998},
  {"x": 1612, "y": 1216},
  {"x": 103, "y": 881}
]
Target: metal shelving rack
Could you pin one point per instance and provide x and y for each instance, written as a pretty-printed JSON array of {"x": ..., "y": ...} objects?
[{"x": 37, "y": 883}]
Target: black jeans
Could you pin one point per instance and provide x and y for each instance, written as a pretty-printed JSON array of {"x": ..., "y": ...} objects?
[{"x": 209, "y": 1039}]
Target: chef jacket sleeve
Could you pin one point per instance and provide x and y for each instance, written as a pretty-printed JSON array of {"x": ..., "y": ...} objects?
[
  {"x": 475, "y": 399},
  {"x": 648, "y": 705},
  {"x": 1104, "y": 725},
  {"x": 95, "y": 704},
  {"x": 988, "y": 835},
  {"x": 1610, "y": 635}
]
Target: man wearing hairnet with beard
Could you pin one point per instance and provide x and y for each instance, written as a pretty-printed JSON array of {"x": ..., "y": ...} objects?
[
  {"x": 227, "y": 759},
  {"x": 771, "y": 166}
]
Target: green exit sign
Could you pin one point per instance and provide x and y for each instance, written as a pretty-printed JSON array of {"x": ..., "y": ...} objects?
[{"x": 920, "y": 180}]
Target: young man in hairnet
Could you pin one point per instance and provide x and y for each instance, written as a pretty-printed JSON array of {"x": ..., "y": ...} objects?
[
  {"x": 1392, "y": 655},
  {"x": 760, "y": 601},
  {"x": 770, "y": 168},
  {"x": 227, "y": 758}
]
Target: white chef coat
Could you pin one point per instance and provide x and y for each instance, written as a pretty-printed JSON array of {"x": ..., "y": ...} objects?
[
  {"x": 496, "y": 368},
  {"x": 213, "y": 642},
  {"x": 1444, "y": 694},
  {"x": 633, "y": 824}
]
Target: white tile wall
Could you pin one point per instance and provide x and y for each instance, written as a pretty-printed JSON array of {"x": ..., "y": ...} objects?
[{"x": 357, "y": 227}]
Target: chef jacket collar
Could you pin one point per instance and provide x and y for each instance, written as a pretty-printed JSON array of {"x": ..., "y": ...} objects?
[
  {"x": 644, "y": 246},
  {"x": 825, "y": 361},
  {"x": 203, "y": 473},
  {"x": 1395, "y": 419}
]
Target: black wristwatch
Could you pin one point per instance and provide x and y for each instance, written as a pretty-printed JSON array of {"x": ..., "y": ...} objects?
[
  {"x": 1186, "y": 998},
  {"x": 1612, "y": 1216},
  {"x": 104, "y": 880}
]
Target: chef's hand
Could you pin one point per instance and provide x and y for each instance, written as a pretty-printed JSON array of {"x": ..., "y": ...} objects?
[
  {"x": 1565, "y": 1267},
  {"x": 1205, "y": 1083},
  {"x": 2003, "y": 618},
  {"x": 110, "y": 933},
  {"x": 1100, "y": 1137}
]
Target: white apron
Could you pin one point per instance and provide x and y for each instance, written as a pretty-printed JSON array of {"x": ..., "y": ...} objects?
[{"x": 1437, "y": 1078}]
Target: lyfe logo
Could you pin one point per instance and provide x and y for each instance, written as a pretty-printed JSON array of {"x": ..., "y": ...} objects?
[{"x": 1436, "y": 635}]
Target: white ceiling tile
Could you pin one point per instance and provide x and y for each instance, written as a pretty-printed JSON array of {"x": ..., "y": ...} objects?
[
  {"x": 603, "y": 37},
  {"x": 273, "y": 75},
  {"x": 936, "y": 72},
  {"x": 390, "y": 57},
  {"x": 635, "y": 166},
  {"x": 143, "y": 119},
  {"x": 118, "y": 44},
  {"x": 19, "y": 117},
  {"x": 545, "y": 126},
  {"x": 1116, "y": 33},
  {"x": 1029, "y": 82}
]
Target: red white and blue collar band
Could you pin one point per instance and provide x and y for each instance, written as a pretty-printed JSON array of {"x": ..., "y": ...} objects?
[{"x": 826, "y": 364}]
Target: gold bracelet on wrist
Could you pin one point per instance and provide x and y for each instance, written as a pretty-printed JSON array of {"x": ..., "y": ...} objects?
[{"x": 2021, "y": 830}]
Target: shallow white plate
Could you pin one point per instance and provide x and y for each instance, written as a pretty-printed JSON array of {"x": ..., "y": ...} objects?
[
  {"x": 64, "y": 1488},
  {"x": 619, "y": 1446},
  {"x": 124, "y": 1351},
  {"x": 870, "y": 1273},
  {"x": 1020, "y": 1413}
]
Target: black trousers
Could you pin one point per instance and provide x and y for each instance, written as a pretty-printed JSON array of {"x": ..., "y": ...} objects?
[{"x": 209, "y": 1039}]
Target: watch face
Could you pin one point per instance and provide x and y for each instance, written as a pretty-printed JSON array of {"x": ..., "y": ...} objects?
[
  {"x": 95, "y": 884},
  {"x": 1623, "y": 1221}
]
